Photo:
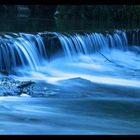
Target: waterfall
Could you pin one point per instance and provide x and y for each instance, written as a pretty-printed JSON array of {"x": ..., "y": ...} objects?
[
  {"x": 87, "y": 44},
  {"x": 24, "y": 49}
]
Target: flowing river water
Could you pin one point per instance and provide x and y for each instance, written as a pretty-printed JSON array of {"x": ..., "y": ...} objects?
[{"x": 88, "y": 82}]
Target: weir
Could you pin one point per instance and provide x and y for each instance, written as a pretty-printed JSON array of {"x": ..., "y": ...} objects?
[{"x": 24, "y": 49}]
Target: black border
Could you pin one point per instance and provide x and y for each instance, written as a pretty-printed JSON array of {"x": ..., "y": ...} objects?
[
  {"x": 72, "y": 137},
  {"x": 71, "y": 2}
]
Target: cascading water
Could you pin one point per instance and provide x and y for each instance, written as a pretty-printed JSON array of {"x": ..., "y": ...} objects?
[
  {"x": 31, "y": 52},
  {"x": 28, "y": 49},
  {"x": 24, "y": 49},
  {"x": 89, "y": 77},
  {"x": 85, "y": 54}
]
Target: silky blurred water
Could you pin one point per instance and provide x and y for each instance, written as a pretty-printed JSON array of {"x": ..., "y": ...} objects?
[
  {"x": 88, "y": 96},
  {"x": 69, "y": 116}
]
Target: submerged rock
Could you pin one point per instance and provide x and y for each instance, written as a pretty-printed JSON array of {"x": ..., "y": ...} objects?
[
  {"x": 11, "y": 87},
  {"x": 4, "y": 72},
  {"x": 25, "y": 84}
]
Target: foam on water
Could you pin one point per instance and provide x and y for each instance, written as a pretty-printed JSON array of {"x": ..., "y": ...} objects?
[
  {"x": 109, "y": 104},
  {"x": 94, "y": 68}
]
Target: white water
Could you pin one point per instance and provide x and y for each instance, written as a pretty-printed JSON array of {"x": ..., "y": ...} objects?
[
  {"x": 95, "y": 68},
  {"x": 111, "y": 107}
]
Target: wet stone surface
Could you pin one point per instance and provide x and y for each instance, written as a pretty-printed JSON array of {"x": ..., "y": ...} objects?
[{"x": 11, "y": 87}]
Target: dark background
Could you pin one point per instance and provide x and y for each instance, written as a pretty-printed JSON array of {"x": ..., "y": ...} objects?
[
  {"x": 114, "y": 13},
  {"x": 68, "y": 18}
]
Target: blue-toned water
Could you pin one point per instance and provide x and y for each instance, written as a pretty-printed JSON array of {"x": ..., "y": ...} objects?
[{"x": 92, "y": 83}]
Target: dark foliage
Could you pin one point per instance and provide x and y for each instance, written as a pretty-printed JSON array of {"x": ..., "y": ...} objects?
[{"x": 99, "y": 12}]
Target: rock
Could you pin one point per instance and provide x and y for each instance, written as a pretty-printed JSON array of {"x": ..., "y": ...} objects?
[
  {"x": 4, "y": 72},
  {"x": 25, "y": 84}
]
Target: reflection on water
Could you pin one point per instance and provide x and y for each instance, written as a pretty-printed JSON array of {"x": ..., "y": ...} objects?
[{"x": 25, "y": 24}]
